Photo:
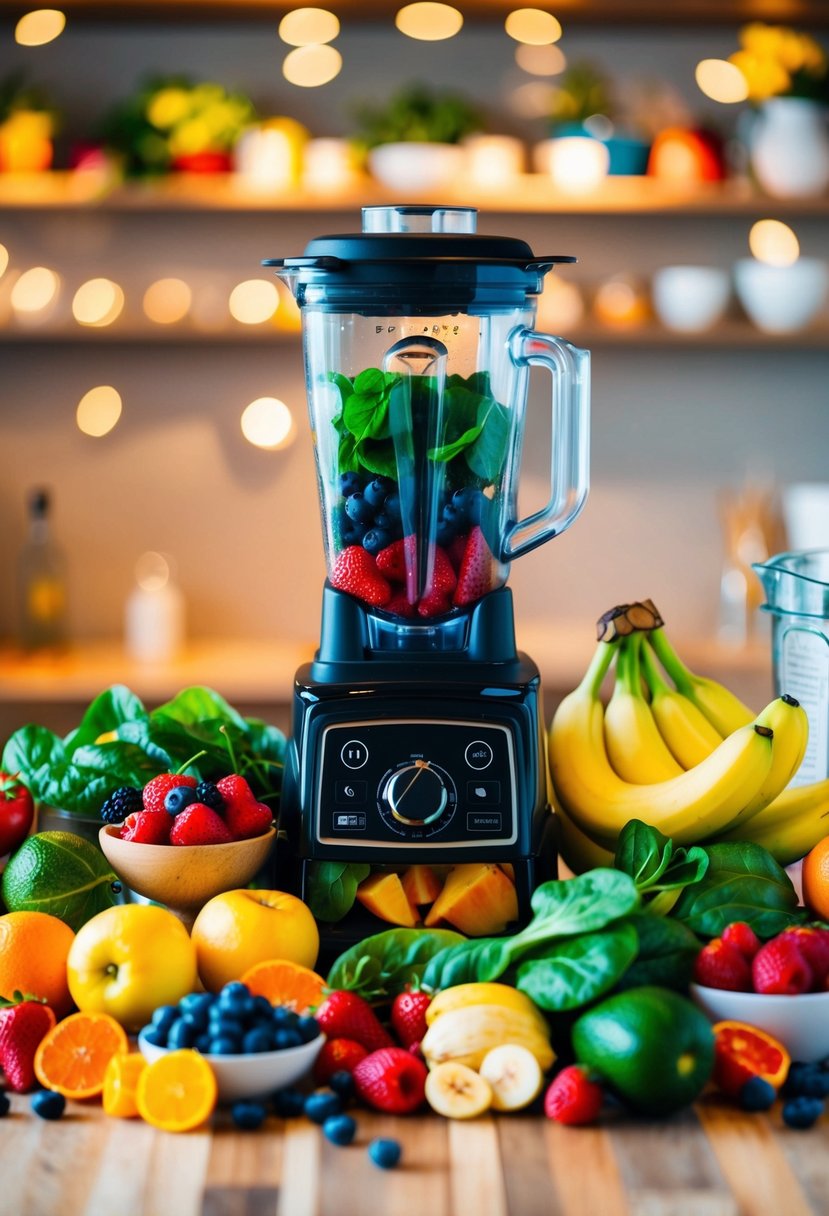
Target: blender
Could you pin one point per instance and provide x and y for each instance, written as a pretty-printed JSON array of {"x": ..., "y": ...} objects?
[{"x": 417, "y": 759}]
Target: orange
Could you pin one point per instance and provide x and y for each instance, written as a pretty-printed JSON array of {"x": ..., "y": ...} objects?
[
  {"x": 285, "y": 983},
  {"x": 74, "y": 1055},
  {"x": 176, "y": 1092},
  {"x": 815, "y": 879},
  {"x": 741, "y": 1052},
  {"x": 33, "y": 951},
  {"x": 237, "y": 929},
  {"x": 120, "y": 1083}
]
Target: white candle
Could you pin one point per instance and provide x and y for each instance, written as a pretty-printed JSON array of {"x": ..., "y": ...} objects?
[{"x": 154, "y": 614}]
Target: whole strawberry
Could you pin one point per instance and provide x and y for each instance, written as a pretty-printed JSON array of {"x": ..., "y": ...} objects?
[
  {"x": 742, "y": 937},
  {"x": 243, "y": 814},
  {"x": 719, "y": 965},
  {"x": 197, "y": 824},
  {"x": 475, "y": 574},
  {"x": 813, "y": 944},
  {"x": 24, "y": 1021},
  {"x": 345, "y": 1015},
  {"x": 146, "y": 827},
  {"x": 408, "y": 1016},
  {"x": 779, "y": 967},
  {"x": 337, "y": 1055},
  {"x": 355, "y": 571},
  {"x": 573, "y": 1098},
  {"x": 156, "y": 791},
  {"x": 391, "y": 1080}
]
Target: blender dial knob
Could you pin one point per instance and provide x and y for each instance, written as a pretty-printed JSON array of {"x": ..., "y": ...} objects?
[{"x": 416, "y": 794}]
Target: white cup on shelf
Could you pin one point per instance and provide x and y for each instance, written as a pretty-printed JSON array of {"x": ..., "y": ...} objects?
[
  {"x": 781, "y": 299},
  {"x": 690, "y": 299}
]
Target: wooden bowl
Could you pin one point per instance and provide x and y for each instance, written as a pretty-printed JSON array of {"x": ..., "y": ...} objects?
[{"x": 184, "y": 877}]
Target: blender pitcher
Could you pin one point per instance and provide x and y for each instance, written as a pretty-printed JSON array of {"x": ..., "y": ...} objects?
[
  {"x": 418, "y": 339},
  {"x": 797, "y": 594}
]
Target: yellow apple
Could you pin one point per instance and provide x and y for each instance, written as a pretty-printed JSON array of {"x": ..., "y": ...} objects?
[
  {"x": 237, "y": 929},
  {"x": 128, "y": 960}
]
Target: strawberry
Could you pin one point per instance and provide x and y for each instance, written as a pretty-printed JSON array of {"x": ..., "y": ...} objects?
[
  {"x": 345, "y": 1015},
  {"x": 391, "y": 1080},
  {"x": 156, "y": 791},
  {"x": 355, "y": 571},
  {"x": 719, "y": 965},
  {"x": 813, "y": 944},
  {"x": 408, "y": 1015},
  {"x": 399, "y": 605},
  {"x": 147, "y": 827},
  {"x": 337, "y": 1055},
  {"x": 244, "y": 816},
  {"x": 24, "y": 1021},
  {"x": 573, "y": 1098},
  {"x": 443, "y": 580},
  {"x": 197, "y": 824},
  {"x": 742, "y": 937},
  {"x": 434, "y": 603},
  {"x": 780, "y": 967},
  {"x": 394, "y": 560},
  {"x": 475, "y": 574},
  {"x": 456, "y": 549}
]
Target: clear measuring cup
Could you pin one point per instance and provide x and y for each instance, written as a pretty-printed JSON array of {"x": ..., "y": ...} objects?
[{"x": 797, "y": 595}]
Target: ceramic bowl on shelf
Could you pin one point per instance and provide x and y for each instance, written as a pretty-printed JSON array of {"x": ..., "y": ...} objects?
[
  {"x": 781, "y": 299},
  {"x": 184, "y": 877},
  {"x": 253, "y": 1075},
  {"x": 690, "y": 299},
  {"x": 417, "y": 166},
  {"x": 800, "y": 1023}
]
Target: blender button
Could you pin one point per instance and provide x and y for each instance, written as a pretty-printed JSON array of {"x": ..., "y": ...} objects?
[
  {"x": 478, "y": 754},
  {"x": 349, "y": 821},
  {"x": 483, "y": 791},
  {"x": 354, "y": 754},
  {"x": 350, "y": 791},
  {"x": 480, "y": 821}
]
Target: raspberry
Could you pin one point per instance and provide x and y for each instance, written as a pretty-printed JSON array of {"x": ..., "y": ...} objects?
[
  {"x": 742, "y": 937},
  {"x": 573, "y": 1098},
  {"x": 780, "y": 967},
  {"x": 719, "y": 965},
  {"x": 124, "y": 801},
  {"x": 156, "y": 791}
]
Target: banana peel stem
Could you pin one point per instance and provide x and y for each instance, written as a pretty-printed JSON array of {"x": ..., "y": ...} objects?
[
  {"x": 682, "y": 677},
  {"x": 653, "y": 677},
  {"x": 598, "y": 669}
]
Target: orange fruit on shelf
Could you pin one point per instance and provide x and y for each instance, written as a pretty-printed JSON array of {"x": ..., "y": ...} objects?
[
  {"x": 741, "y": 1052},
  {"x": 286, "y": 983},
  {"x": 120, "y": 1083},
  {"x": 73, "y": 1057},
  {"x": 177, "y": 1092},
  {"x": 33, "y": 951},
  {"x": 815, "y": 879}
]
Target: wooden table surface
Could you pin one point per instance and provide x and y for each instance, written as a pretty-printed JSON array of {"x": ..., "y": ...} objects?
[{"x": 712, "y": 1161}]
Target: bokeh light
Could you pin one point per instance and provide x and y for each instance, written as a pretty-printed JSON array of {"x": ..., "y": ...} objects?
[
  {"x": 98, "y": 302},
  {"x": 35, "y": 290},
  {"x": 254, "y": 301},
  {"x": 532, "y": 100},
  {"x": 4, "y": 260},
  {"x": 98, "y": 410},
  {"x": 773, "y": 242},
  {"x": 533, "y": 25},
  {"x": 306, "y": 26},
  {"x": 167, "y": 301},
  {"x": 429, "y": 22},
  {"x": 312, "y": 66},
  {"x": 152, "y": 571},
  {"x": 548, "y": 60},
  {"x": 267, "y": 423},
  {"x": 721, "y": 81},
  {"x": 40, "y": 26}
]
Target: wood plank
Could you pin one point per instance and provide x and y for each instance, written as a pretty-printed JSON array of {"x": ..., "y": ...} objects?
[
  {"x": 476, "y": 1178},
  {"x": 351, "y": 1185},
  {"x": 526, "y": 1166},
  {"x": 808, "y": 1158},
  {"x": 299, "y": 1193},
  {"x": 120, "y": 1183},
  {"x": 59, "y": 1174},
  {"x": 585, "y": 1171},
  {"x": 175, "y": 1174}
]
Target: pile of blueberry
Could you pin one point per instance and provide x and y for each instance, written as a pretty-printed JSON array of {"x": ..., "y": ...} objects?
[
  {"x": 804, "y": 1093},
  {"x": 228, "y": 1023},
  {"x": 370, "y": 513}
]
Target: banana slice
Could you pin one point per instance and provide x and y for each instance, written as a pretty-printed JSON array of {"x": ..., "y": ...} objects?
[
  {"x": 514, "y": 1075},
  {"x": 455, "y": 1091}
]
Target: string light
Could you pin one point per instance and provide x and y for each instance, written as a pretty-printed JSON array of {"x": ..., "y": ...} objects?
[
  {"x": 167, "y": 301},
  {"x": 548, "y": 60},
  {"x": 267, "y": 423},
  {"x": 429, "y": 22},
  {"x": 254, "y": 301},
  {"x": 306, "y": 26},
  {"x": 98, "y": 410},
  {"x": 35, "y": 290},
  {"x": 721, "y": 81},
  {"x": 312, "y": 66},
  {"x": 533, "y": 25},
  {"x": 98, "y": 302},
  {"x": 4, "y": 260},
  {"x": 774, "y": 243},
  {"x": 40, "y": 26}
]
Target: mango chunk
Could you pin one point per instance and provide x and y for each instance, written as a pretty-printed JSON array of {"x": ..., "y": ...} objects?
[
  {"x": 509, "y": 869},
  {"x": 477, "y": 898},
  {"x": 422, "y": 885},
  {"x": 383, "y": 895}
]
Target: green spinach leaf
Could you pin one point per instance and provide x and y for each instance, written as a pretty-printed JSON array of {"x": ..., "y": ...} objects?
[
  {"x": 486, "y": 456},
  {"x": 332, "y": 887},
  {"x": 382, "y": 965},
  {"x": 742, "y": 882},
  {"x": 30, "y": 750},
  {"x": 579, "y": 969},
  {"x": 111, "y": 709},
  {"x": 667, "y": 950}
]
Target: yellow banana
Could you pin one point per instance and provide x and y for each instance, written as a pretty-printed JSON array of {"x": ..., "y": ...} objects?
[
  {"x": 577, "y": 850},
  {"x": 687, "y": 733},
  {"x": 704, "y": 801},
  {"x": 724, "y": 711},
  {"x": 636, "y": 750},
  {"x": 482, "y": 994},
  {"x": 791, "y": 825},
  {"x": 787, "y": 718},
  {"x": 466, "y": 1035}
]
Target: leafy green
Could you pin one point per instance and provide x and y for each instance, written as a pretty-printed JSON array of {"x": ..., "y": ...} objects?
[
  {"x": 667, "y": 950},
  {"x": 655, "y": 865},
  {"x": 579, "y": 969},
  {"x": 742, "y": 882},
  {"x": 416, "y": 114},
  {"x": 332, "y": 887},
  {"x": 382, "y": 965}
]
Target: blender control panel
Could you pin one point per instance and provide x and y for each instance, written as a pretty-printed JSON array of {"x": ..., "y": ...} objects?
[{"x": 401, "y": 781}]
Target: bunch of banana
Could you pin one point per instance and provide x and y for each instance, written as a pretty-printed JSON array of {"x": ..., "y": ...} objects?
[
  {"x": 687, "y": 757},
  {"x": 487, "y": 1045}
]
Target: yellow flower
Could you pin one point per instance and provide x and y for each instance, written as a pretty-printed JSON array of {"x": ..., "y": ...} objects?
[
  {"x": 190, "y": 138},
  {"x": 762, "y": 40},
  {"x": 168, "y": 107},
  {"x": 764, "y": 77}
]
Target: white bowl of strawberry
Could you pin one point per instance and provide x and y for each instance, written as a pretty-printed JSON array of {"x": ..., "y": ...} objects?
[{"x": 780, "y": 986}]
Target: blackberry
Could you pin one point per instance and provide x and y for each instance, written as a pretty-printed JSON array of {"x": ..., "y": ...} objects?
[
  {"x": 125, "y": 801},
  {"x": 210, "y": 795}
]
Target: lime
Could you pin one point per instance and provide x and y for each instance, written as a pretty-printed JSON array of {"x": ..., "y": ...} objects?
[
  {"x": 61, "y": 874},
  {"x": 651, "y": 1045}
]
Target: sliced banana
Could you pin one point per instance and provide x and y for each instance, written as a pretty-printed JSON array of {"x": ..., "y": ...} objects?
[
  {"x": 514, "y": 1076},
  {"x": 456, "y": 1092}
]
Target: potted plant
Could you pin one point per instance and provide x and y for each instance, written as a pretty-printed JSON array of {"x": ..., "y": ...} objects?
[
  {"x": 583, "y": 107},
  {"x": 27, "y": 127},
  {"x": 413, "y": 141}
]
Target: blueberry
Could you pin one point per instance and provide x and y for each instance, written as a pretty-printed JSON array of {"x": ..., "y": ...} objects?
[
  {"x": 757, "y": 1094},
  {"x": 178, "y": 798},
  {"x": 5, "y": 1105},
  {"x": 47, "y": 1104},
  {"x": 308, "y": 1028},
  {"x": 469, "y": 501},
  {"x": 342, "y": 1084},
  {"x": 181, "y": 1034},
  {"x": 376, "y": 491},
  {"x": 288, "y": 1103},
  {"x": 391, "y": 506},
  {"x": 224, "y": 1045},
  {"x": 197, "y": 1018},
  {"x": 375, "y": 540},
  {"x": 340, "y": 1129},
  {"x": 233, "y": 1003},
  {"x": 263, "y": 1007},
  {"x": 807, "y": 1080},
  {"x": 284, "y": 1017},
  {"x": 322, "y": 1104},
  {"x": 350, "y": 483},
  {"x": 802, "y": 1112},
  {"x": 287, "y": 1038},
  {"x": 248, "y": 1115},
  {"x": 358, "y": 509},
  {"x": 453, "y": 516},
  {"x": 163, "y": 1018},
  {"x": 152, "y": 1034},
  {"x": 445, "y": 533},
  {"x": 383, "y": 520},
  {"x": 197, "y": 1003},
  {"x": 258, "y": 1040},
  {"x": 226, "y": 1027},
  {"x": 385, "y": 1153},
  {"x": 235, "y": 988},
  {"x": 203, "y": 1042},
  {"x": 353, "y": 533}
]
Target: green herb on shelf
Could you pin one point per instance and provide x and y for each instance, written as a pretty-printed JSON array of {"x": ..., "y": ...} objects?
[{"x": 416, "y": 114}]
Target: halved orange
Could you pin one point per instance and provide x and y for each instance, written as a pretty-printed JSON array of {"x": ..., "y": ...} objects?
[
  {"x": 73, "y": 1056},
  {"x": 177, "y": 1092},
  {"x": 286, "y": 983},
  {"x": 742, "y": 1051},
  {"x": 120, "y": 1083}
]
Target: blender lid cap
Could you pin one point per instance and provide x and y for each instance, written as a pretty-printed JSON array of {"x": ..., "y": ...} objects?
[{"x": 337, "y": 251}]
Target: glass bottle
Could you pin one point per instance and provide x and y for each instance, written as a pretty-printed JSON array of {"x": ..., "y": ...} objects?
[{"x": 42, "y": 574}]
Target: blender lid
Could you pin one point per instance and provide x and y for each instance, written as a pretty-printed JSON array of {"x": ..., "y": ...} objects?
[{"x": 337, "y": 252}]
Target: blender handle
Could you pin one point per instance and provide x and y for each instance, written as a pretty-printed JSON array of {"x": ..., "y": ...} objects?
[{"x": 570, "y": 449}]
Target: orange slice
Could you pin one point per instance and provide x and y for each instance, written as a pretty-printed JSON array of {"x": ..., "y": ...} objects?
[
  {"x": 286, "y": 983},
  {"x": 120, "y": 1084},
  {"x": 176, "y": 1092},
  {"x": 73, "y": 1056},
  {"x": 742, "y": 1051}
]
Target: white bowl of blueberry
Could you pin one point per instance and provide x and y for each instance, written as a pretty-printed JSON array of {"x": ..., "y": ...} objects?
[{"x": 252, "y": 1046}]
